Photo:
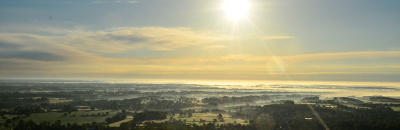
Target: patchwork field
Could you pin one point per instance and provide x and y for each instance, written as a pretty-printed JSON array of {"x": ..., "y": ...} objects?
[{"x": 54, "y": 116}]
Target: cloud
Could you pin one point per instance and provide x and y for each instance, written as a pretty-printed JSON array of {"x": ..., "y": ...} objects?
[
  {"x": 4, "y": 46},
  {"x": 153, "y": 38},
  {"x": 41, "y": 30},
  {"x": 34, "y": 47},
  {"x": 32, "y": 55},
  {"x": 115, "y": 40},
  {"x": 344, "y": 55}
]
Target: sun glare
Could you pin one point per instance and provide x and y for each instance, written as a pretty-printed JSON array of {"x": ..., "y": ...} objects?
[{"x": 236, "y": 9}]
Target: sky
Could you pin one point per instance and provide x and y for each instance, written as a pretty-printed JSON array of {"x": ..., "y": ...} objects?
[{"x": 291, "y": 40}]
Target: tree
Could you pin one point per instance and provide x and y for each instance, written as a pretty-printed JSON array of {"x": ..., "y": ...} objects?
[
  {"x": 14, "y": 119},
  {"x": 109, "y": 120},
  {"x": 180, "y": 114},
  {"x": 289, "y": 102},
  {"x": 57, "y": 123},
  {"x": 94, "y": 123},
  {"x": 8, "y": 121},
  {"x": 190, "y": 114},
  {"x": 219, "y": 116},
  {"x": 107, "y": 113}
]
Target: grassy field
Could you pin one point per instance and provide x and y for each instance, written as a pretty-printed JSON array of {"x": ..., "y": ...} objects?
[
  {"x": 396, "y": 108},
  {"x": 53, "y": 116},
  {"x": 117, "y": 124},
  {"x": 205, "y": 116}
]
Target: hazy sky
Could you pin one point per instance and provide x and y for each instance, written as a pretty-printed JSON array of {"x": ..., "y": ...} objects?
[{"x": 337, "y": 40}]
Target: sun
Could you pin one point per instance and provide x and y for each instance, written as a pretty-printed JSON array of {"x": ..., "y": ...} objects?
[{"x": 236, "y": 9}]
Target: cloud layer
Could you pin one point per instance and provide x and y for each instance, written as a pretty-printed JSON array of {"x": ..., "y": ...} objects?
[{"x": 77, "y": 53}]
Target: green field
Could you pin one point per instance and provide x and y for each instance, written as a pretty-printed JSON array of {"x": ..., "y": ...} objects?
[
  {"x": 205, "y": 116},
  {"x": 54, "y": 116}
]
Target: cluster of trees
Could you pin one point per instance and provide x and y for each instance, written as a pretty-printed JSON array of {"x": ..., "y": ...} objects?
[
  {"x": 348, "y": 100},
  {"x": 57, "y": 125},
  {"x": 115, "y": 118},
  {"x": 184, "y": 113},
  {"x": 94, "y": 115},
  {"x": 27, "y": 110},
  {"x": 68, "y": 108},
  {"x": 12, "y": 102},
  {"x": 181, "y": 125},
  {"x": 150, "y": 115},
  {"x": 384, "y": 99},
  {"x": 205, "y": 111}
]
